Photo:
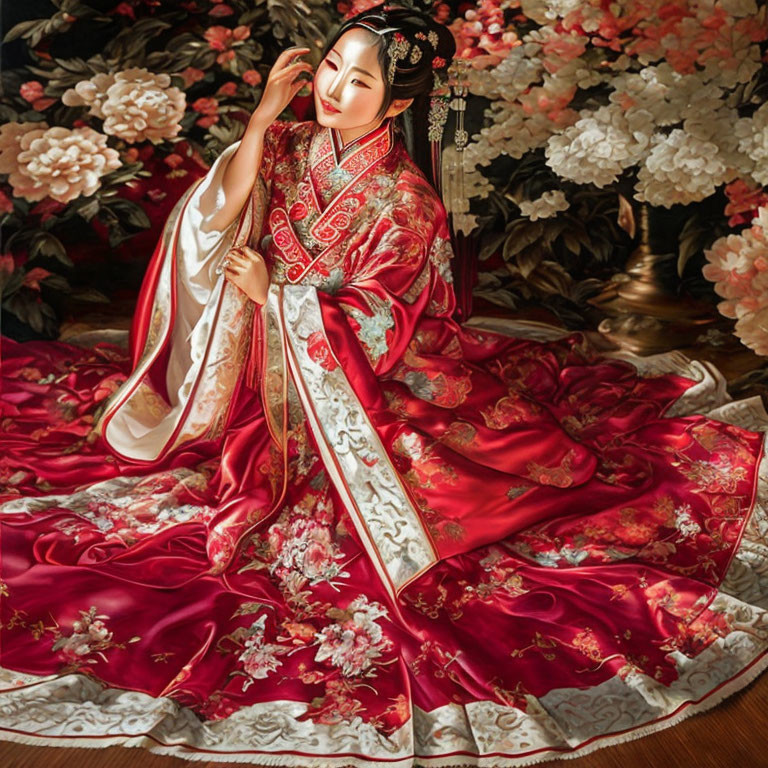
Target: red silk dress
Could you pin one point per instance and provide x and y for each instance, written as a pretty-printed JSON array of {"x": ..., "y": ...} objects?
[{"x": 342, "y": 529}]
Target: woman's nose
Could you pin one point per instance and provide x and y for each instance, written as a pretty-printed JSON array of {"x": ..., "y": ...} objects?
[{"x": 336, "y": 86}]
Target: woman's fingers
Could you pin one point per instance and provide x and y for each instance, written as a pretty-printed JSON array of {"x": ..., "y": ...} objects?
[
  {"x": 288, "y": 54},
  {"x": 245, "y": 258},
  {"x": 292, "y": 70}
]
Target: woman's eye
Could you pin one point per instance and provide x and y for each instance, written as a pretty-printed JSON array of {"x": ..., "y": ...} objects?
[{"x": 360, "y": 83}]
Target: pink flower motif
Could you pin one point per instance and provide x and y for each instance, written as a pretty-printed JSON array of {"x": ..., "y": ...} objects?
[
  {"x": 6, "y": 204},
  {"x": 173, "y": 160},
  {"x": 223, "y": 39},
  {"x": 31, "y": 90},
  {"x": 206, "y": 105},
  {"x": 252, "y": 77},
  {"x": 319, "y": 351},
  {"x": 744, "y": 199},
  {"x": 209, "y": 107},
  {"x": 219, "y": 11},
  {"x": 124, "y": 9},
  {"x": 354, "y": 642},
  {"x": 228, "y": 89},
  {"x": 191, "y": 75},
  {"x": 34, "y": 276},
  {"x": 349, "y": 9}
]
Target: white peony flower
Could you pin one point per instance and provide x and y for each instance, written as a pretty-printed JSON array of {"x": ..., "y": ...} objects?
[
  {"x": 62, "y": 163},
  {"x": 680, "y": 168},
  {"x": 752, "y": 135},
  {"x": 599, "y": 146},
  {"x": 545, "y": 11},
  {"x": 10, "y": 138},
  {"x": 91, "y": 93},
  {"x": 135, "y": 104},
  {"x": 545, "y": 207}
]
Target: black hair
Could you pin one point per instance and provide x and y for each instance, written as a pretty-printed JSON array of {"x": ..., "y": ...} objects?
[{"x": 430, "y": 48}]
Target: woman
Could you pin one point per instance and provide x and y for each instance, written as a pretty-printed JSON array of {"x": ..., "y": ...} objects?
[{"x": 320, "y": 522}]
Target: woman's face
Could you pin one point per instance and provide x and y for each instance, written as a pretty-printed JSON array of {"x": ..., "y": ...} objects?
[{"x": 349, "y": 87}]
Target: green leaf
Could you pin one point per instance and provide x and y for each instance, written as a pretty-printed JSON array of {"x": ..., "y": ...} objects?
[
  {"x": 46, "y": 244},
  {"x": 129, "y": 212},
  {"x": 491, "y": 244},
  {"x": 91, "y": 294},
  {"x": 521, "y": 237},
  {"x": 57, "y": 282},
  {"x": 10, "y": 283},
  {"x": 572, "y": 242},
  {"x": 24, "y": 27},
  {"x": 529, "y": 259}
]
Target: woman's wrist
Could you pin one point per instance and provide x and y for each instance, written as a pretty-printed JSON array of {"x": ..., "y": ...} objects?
[{"x": 258, "y": 124}]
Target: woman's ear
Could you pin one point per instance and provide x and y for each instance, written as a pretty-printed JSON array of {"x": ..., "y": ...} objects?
[{"x": 398, "y": 106}]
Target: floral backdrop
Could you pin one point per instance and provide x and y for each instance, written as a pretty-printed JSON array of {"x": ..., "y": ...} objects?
[{"x": 577, "y": 113}]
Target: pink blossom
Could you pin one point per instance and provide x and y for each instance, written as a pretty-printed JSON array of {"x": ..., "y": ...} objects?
[
  {"x": 34, "y": 276},
  {"x": 223, "y": 39},
  {"x": 744, "y": 199},
  {"x": 31, "y": 90},
  {"x": 6, "y": 204},
  {"x": 191, "y": 76},
  {"x": 219, "y": 11},
  {"x": 252, "y": 77},
  {"x": 228, "y": 89},
  {"x": 206, "y": 105},
  {"x": 124, "y": 9}
]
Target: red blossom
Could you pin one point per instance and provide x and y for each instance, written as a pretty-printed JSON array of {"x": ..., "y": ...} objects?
[
  {"x": 206, "y": 105},
  {"x": 252, "y": 77},
  {"x": 743, "y": 201},
  {"x": 173, "y": 160},
  {"x": 124, "y": 9},
  {"x": 34, "y": 276},
  {"x": 219, "y": 11},
  {"x": 6, "y": 204},
  {"x": 46, "y": 209},
  {"x": 228, "y": 89},
  {"x": 31, "y": 90},
  {"x": 191, "y": 75},
  {"x": 207, "y": 121},
  {"x": 222, "y": 39},
  {"x": 218, "y": 38}
]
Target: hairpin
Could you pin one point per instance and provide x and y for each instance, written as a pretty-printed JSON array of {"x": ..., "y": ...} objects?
[{"x": 398, "y": 49}]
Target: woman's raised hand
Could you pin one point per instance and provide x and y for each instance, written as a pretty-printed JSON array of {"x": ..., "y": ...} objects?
[
  {"x": 246, "y": 269},
  {"x": 282, "y": 85}
]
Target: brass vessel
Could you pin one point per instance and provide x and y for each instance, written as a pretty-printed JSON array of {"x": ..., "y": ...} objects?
[{"x": 647, "y": 317}]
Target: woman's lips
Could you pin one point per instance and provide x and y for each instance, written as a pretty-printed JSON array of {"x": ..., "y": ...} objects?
[{"x": 328, "y": 107}]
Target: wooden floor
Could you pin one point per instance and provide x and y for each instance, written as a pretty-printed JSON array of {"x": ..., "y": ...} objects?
[{"x": 732, "y": 735}]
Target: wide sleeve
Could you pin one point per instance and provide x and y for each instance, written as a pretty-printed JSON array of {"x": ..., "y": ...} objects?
[
  {"x": 402, "y": 274},
  {"x": 191, "y": 328}
]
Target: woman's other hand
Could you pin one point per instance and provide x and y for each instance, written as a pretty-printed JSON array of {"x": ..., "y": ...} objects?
[
  {"x": 246, "y": 269},
  {"x": 283, "y": 83}
]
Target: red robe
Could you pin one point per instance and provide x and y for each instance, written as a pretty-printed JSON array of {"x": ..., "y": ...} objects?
[{"x": 341, "y": 524}]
